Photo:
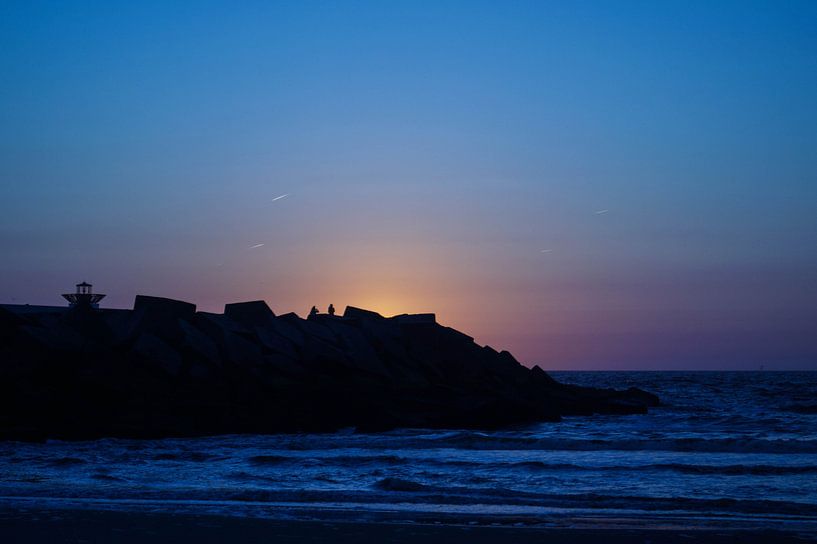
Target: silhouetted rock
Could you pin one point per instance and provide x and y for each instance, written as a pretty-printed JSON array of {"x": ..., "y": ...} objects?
[
  {"x": 164, "y": 369},
  {"x": 256, "y": 312},
  {"x": 158, "y": 307},
  {"x": 415, "y": 319}
]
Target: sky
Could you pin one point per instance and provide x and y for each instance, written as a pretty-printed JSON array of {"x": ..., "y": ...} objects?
[{"x": 589, "y": 185}]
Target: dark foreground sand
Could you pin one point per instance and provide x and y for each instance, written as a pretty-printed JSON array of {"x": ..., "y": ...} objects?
[{"x": 86, "y": 526}]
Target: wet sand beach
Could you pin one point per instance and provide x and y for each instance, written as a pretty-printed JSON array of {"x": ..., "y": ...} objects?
[{"x": 86, "y": 526}]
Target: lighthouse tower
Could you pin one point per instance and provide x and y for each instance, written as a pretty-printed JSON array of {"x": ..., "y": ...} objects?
[{"x": 84, "y": 296}]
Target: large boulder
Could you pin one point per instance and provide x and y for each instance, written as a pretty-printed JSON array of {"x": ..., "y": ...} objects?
[
  {"x": 251, "y": 313},
  {"x": 163, "y": 308},
  {"x": 160, "y": 316}
]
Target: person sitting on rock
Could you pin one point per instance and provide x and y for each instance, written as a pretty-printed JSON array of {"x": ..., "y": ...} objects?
[
  {"x": 313, "y": 312},
  {"x": 331, "y": 309}
]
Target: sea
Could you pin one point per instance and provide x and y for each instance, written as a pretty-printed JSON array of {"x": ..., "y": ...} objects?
[{"x": 735, "y": 449}]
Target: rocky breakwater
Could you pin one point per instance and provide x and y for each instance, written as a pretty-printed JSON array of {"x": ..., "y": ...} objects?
[{"x": 164, "y": 369}]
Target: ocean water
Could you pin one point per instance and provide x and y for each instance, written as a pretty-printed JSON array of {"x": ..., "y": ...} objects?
[{"x": 726, "y": 448}]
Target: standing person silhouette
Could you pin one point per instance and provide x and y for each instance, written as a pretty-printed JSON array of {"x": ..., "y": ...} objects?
[{"x": 331, "y": 309}]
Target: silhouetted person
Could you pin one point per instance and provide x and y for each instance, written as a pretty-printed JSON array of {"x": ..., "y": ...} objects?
[
  {"x": 313, "y": 312},
  {"x": 331, "y": 309}
]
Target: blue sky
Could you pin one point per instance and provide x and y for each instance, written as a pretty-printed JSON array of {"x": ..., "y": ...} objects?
[{"x": 438, "y": 156}]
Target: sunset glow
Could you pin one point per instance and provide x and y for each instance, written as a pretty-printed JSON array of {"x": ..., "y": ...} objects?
[{"x": 652, "y": 207}]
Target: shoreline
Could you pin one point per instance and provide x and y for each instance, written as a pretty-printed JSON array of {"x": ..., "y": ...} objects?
[{"x": 44, "y": 525}]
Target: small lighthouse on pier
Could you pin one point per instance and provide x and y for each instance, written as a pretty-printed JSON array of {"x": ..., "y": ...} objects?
[{"x": 84, "y": 296}]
